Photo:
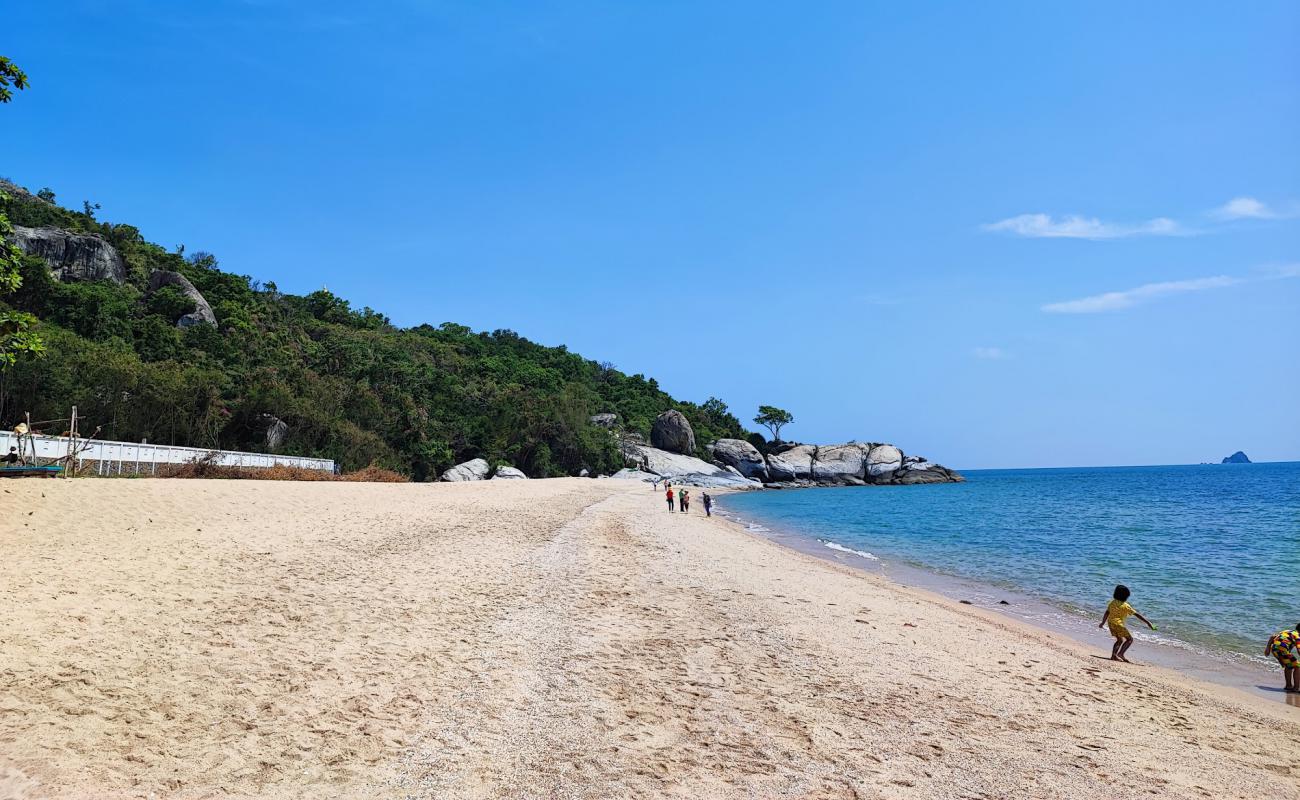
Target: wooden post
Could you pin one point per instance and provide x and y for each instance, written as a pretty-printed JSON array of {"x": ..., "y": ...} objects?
[{"x": 72, "y": 444}]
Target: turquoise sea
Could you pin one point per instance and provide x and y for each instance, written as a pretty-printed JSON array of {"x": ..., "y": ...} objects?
[{"x": 1211, "y": 552}]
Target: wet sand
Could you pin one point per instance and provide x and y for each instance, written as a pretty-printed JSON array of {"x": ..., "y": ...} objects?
[{"x": 564, "y": 638}]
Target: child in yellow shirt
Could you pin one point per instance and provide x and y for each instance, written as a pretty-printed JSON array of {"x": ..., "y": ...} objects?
[{"x": 1116, "y": 612}]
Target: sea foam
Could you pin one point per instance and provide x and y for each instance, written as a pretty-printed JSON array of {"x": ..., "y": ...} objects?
[{"x": 843, "y": 549}]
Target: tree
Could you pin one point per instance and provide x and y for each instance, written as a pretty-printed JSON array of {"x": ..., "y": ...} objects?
[
  {"x": 10, "y": 75},
  {"x": 46, "y": 194},
  {"x": 16, "y": 335},
  {"x": 773, "y": 419}
]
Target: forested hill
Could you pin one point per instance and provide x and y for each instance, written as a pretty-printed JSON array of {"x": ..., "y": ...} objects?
[{"x": 131, "y": 346}]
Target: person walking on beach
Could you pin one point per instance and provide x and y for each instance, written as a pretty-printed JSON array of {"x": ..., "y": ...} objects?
[
  {"x": 670, "y": 497},
  {"x": 685, "y": 501},
  {"x": 1116, "y": 612},
  {"x": 708, "y": 505},
  {"x": 1285, "y": 646}
]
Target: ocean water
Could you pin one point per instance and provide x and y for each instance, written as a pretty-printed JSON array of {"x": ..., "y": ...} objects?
[{"x": 1212, "y": 552}]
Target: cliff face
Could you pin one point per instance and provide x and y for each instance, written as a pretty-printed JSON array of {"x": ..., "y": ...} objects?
[{"x": 72, "y": 256}]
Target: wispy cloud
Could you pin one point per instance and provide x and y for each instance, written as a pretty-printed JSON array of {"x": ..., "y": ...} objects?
[
  {"x": 1250, "y": 208},
  {"x": 1242, "y": 208},
  {"x": 1045, "y": 226},
  {"x": 990, "y": 353},
  {"x": 1115, "y": 301},
  {"x": 1075, "y": 226}
]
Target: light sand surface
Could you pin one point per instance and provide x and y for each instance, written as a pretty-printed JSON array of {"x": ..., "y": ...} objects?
[{"x": 565, "y": 638}]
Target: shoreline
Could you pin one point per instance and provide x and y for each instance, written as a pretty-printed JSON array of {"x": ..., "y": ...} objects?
[
  {"x": 546, "y": 638},
  {"x": 1225, "y": 669}
]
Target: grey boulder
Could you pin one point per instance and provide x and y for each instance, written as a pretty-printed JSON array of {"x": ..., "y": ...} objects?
[
  {"x": 606, "y": 420},
  {"x": 799, "y": 460},
  {"x": 742, "y": 456},
  {"x": 72, "y": 256},
  {"x": 839, "y": 464},
  {"x": 475, "y": 469},
  {"x": 509, "y": 473},
  {"x": 202, "y": 313},
  {"x": 671, "y": 431},
  {"x": 779, "y": 470},
  {"x": 883, "y": 461}
]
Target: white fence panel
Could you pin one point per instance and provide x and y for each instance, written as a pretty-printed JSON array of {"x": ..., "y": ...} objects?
[{"x": 120, "y": 457}]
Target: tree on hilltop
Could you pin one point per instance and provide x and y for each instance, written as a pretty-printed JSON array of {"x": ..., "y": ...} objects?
[{"x": 773, "y": 419}]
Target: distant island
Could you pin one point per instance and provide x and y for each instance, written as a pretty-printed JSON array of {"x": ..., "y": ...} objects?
[{"x": 1236, "y": 458}]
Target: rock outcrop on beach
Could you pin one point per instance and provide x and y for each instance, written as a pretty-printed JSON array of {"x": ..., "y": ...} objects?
[
  {"x": 739, "y": 464},
  {"x": 671, "y": 431},
  {"x": 779, "y": 470},
  {"x": 652, "y": 463},
  {"x": 202, "y": 313},
  {"x": 72, "y": 256},
  {"x": 851, "y": 464},
  {"x": 1236, "y": 458},
  {"x": 742, "y": 457},
  {"x": 509, "y": 473},
  {"x": 475, "y": 469}
]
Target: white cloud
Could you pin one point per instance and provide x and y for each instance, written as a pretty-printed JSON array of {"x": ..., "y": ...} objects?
[
  {"x": 1244, "y": 208},
  {"x": 989, "y": 353},
  {"x": 1115, "y": 301},
  {"x": 1045, "y": 226}
]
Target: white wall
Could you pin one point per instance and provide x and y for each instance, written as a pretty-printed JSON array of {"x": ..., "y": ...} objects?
[{"x": 130, "y": 457}]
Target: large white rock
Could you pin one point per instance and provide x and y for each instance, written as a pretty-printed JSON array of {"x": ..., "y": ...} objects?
[
  {"x": 800, "y": 461},
  {"x": 840, "y": 464},
  {"x": 883, "y": 461},
  {"x": 687, "y": 469},
  {"x": 629, "y": 474},
  {"x": 742, "y": 456},
  {"x": 779, "y": 470},
  {"x": 473, "y": 470},
  {"x": 509, "y": 474}
]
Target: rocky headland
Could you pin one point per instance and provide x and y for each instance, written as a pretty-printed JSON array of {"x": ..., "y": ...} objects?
[{"x": 737, "y": 464}]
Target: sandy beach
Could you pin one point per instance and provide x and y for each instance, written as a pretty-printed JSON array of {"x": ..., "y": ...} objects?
[{"x": 545, "y": 639}]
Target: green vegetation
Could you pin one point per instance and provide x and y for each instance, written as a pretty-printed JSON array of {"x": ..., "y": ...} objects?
[
  {"x": 10, "y": 75},
  {"x": 773, "y": 419},
  {"x": 349, "y": 384},
  {"x": 16, "y": 336}
]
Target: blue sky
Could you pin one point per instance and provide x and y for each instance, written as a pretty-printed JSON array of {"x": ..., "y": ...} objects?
[{"x": 1017, "y": 234}]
